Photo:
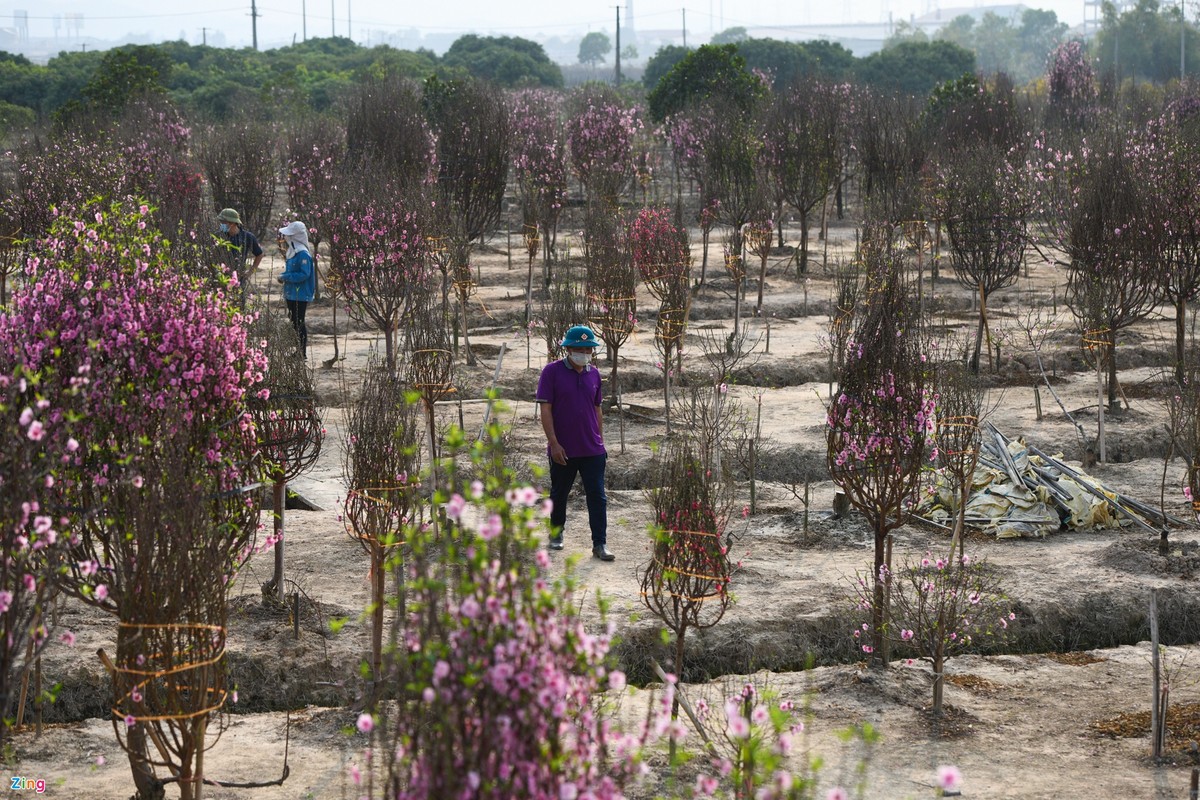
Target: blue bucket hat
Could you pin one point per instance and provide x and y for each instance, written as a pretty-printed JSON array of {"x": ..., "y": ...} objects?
[{"x": 580, "y": 336}]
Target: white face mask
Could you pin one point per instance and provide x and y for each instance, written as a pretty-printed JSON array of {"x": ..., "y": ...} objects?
[{"x": 580, "y": 359}]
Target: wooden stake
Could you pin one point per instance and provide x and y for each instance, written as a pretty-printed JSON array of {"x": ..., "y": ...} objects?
[
  {"x": 1155, "y": 723},
  {"x": 24, "y": 685},
  {"x": 487, "y": 414},
  {"x": 686, "y": 706},
  {"x": 1100, "y": 406}
]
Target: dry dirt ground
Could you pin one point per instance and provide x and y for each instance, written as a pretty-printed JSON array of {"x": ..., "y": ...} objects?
[{"x": 1030, "y": 724}]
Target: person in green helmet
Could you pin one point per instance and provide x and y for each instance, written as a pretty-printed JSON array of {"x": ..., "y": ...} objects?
[{"x": 238, "y": 245}]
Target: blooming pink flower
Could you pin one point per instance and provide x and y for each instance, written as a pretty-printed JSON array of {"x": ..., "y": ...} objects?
[
  {"x": 455, "y": 506},
  {"x": 365, "y": 723},
  {"x": 948, "y": 777},
  {"x": 491, "y": 528}
]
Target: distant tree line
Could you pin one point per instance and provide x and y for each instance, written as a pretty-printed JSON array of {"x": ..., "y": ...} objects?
[{"x": 208, "y": 83}]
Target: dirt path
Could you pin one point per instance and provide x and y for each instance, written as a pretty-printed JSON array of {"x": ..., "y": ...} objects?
[{"x": 1023, "y": 725}]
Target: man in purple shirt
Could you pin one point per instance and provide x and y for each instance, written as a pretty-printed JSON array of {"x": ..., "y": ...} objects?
[{"x": 569, "y": 391}]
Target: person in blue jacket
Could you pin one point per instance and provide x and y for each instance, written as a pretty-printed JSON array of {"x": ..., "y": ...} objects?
[{"x": 299, "y": 279}]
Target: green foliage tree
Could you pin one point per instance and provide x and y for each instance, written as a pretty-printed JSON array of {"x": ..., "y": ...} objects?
[
  {"x": 1039, "y": 33},
  {"x": 125, "y": 73},
  {"x": 15, "y": 118},
  {"x": 662, "y": 62},
  {"x": 594, "y": 47},
  {"x": 831, "y": 59},
  {"x": 995, "y": 44},
  {"x": 23, "y": 83},
  {"x": 710, "y": 72},
  {"x": 783, "y": 61},
  {"x": 733, "y": 35},
  {"x": 504, "y": 60},
  {"x": 1143, "y": 43},
  {"x": 915, "y": 67},
  {"x": 959, "y": 31},
  {"x": 905, "y": 32}
]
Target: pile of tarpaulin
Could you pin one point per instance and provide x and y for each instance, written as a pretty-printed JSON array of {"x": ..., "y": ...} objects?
[{"x": 1020, "y": 491}]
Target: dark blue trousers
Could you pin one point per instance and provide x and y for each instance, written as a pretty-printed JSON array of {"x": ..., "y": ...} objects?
[{"x": 562, "y": 477}]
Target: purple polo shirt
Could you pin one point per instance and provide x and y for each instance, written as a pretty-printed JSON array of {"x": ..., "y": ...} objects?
[{"x": 574, "y": 398}]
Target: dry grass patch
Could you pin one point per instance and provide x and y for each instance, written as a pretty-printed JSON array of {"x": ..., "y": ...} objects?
[
  {"x": 974, "y": 683},
  {"x": 1074, "y": 659},
  {"x": 1183, "y": 726}
]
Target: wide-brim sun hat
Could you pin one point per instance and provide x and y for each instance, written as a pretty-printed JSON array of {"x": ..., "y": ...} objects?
[
  {"x": 580, "y": 336},
  {"x": 230, "y": 215},
  {"x": 294, "y": 228}
]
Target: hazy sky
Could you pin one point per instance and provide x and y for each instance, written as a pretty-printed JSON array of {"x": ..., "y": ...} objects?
[{"x": 168, "y": 19}]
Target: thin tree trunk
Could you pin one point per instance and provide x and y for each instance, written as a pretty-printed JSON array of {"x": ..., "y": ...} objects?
[
  {"x": 762, "y": 280},
  {"x": 975, "y": 356},
  {"x": 378, "y": 588},
  {"x": 678, "y": 681},
  {"x": 886, "y": 655},
  {"x": 279, "y": 495},
  {"x": 147, "y": 785},
  {"x": 877, "y": 610},
  {"x": 389, "y": 344},
  {"x": 802, "y": 260},
  {"x": 201, "y": 730},
  {"x": 1180, "y": 338},
  {"x": 462, "y": 305},
  {"x": 939, "y": 681},
  {"x": 1111, "y": 336}
]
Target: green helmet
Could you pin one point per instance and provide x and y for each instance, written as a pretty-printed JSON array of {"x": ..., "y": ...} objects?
[{"x": 580, "y": 336}]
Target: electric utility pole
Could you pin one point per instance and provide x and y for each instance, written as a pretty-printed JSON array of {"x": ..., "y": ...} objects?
[
  {"x": 304, "y": 20},
  {"x": 332, "y": 20},
  {"x": 684, "y": 28},
  {"x": 204, "y": 36},
  {"x": 618, "y": 46},
  {"x": 254, "y": 15}
]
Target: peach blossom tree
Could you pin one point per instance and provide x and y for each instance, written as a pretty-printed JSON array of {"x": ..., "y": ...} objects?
[{"x": 157, "y": 370}]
